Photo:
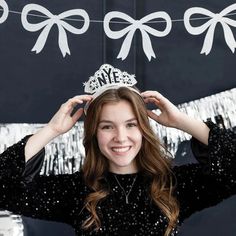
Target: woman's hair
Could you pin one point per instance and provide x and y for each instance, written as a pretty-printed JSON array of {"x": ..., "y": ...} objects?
[{"x": 151, "y": 160}]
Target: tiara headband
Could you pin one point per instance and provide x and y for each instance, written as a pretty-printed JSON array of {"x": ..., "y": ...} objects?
[{"x": 108, "y": 77}]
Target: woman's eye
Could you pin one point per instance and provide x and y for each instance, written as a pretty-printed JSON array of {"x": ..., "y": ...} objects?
[
  {"x": 129, "y": 125},
  {"x": 106, "y": 127}
]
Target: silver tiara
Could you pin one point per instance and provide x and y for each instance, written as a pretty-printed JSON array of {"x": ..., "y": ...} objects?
[{"x": 108, "y": 77}]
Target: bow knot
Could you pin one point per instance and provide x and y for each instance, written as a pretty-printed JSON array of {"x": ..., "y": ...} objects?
[
  {"x": 47, "y": 24},
  {"x": 131, "y": 29},
  {"x": 137, "y": 24},
  {"x": 218, "y": 17},
  {"x": 210, "y": 26},
  {"x": 55, "y": 18}
]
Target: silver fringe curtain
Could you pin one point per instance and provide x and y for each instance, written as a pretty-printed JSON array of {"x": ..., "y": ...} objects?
[{"x": 65, "y": 153}]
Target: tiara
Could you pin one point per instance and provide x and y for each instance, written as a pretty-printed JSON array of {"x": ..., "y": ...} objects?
[{"x": 108, "y": 77}]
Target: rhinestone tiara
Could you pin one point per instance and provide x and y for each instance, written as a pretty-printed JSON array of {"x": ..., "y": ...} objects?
[{"x": 108, "y": 77}]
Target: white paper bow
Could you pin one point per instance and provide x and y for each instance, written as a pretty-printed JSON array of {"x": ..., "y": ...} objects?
[
  {"x": 130, "y": 30},
  {"x": 5, "y": 13},
  {"x": 48, "y": 23},
  {"x": 210, "y": 25}
]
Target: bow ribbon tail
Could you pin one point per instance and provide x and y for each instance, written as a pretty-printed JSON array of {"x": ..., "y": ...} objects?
[
  {"x": 208, "y": 41},
  {"x": 147, "y": 45},
  {"x": 42, "y": 38},
  {"x": 62, "y": 41},
  {"x": 229, "y": 37},
  {"x": 124, "y": 51}
]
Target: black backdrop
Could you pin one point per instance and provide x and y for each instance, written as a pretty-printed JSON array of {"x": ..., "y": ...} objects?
[{"x": 34, "y": 85}]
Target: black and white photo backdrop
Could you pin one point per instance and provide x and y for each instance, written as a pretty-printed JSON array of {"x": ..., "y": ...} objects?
[{"x": 48, "y": 49}]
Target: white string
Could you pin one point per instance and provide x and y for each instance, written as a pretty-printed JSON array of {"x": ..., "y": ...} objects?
[
  {"x": 121, "y": 22},
  {"x": 212, "y": 19}
]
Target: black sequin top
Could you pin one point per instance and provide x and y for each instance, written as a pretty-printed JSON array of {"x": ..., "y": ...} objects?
[{"x": 61, "y": 197}]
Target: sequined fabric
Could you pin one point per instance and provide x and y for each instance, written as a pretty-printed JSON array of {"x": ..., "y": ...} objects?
[{"x": 61, "y": 197}]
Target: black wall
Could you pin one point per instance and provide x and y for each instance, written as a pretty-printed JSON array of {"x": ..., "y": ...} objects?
[{"x": 33, "y": 86}]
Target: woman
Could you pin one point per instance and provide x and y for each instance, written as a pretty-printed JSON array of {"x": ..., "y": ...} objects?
[{"x": 127, "y": 185}]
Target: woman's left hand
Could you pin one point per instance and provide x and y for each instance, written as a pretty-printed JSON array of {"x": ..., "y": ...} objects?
[{"x": 170, "y": 114}]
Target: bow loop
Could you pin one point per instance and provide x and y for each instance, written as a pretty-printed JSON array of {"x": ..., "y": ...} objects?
[
  {"x": 131, "y": 29},
  {"x": 210, "y": 26},
  {"x": 47, "y": 24},
  {"x": 5, "y": 13}
]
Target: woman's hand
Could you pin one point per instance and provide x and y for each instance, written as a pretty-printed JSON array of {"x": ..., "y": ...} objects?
[
  {"x": 62, "y": 121},
  {"x": 170, "y": 114}
]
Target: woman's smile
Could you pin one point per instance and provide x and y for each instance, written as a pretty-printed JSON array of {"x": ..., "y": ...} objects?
[
  {"x": 121, "y": 150},
  {"x": 119, "y": 137}
]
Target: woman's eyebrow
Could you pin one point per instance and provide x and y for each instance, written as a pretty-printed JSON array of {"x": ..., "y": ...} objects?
[
  {"x": 132, "y": 119},
  {"x": 109, "y": 121},
  {"x": 105, "y": 121}
]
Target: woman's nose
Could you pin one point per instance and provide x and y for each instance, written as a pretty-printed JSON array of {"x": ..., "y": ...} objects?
[{"x": 120, "y": 135}]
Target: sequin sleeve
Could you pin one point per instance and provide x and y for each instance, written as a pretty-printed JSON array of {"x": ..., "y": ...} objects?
[
  {"x": 43, "y": 197},
  {"x": 12, "y": 161},
  {"x": 211, "y": 180}
]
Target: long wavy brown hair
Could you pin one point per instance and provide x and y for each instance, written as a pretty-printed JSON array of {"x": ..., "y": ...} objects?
[{"x": 150, "y": 160}]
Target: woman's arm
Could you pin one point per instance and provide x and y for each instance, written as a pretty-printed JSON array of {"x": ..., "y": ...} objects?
[
  {"x": 213, "y": 178},
  {"x": 171, "y": 116},
  {"x": 60, "y": 123},
  {"x": 54, "y": 197},
  {"x": 197, "y": 128}
]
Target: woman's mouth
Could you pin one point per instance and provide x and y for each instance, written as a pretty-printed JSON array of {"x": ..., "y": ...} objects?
[{"x": 121, "y": 149}]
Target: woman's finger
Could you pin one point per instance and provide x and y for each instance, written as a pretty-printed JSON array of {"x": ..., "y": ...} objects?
[
  {"x": 77, "y": 114},
  {"x": 149, "y": 93},
  {"x": 151, "y": 100},
  {"x": 153, "y": 116},
  {"x": 82, "y": 98},
  {"x": 79, "y": 99},
  {"x": 71, "y": 103},
  {"x": 157, "y": 102},
  {"x": 67, "y": 107}
]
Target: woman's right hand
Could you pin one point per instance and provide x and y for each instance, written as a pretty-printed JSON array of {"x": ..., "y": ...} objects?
[{"x": 62, "y": 121}]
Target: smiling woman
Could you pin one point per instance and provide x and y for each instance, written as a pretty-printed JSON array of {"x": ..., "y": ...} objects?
[
  {"x": 119, "y": 143},
  {"x": 127, "y": 184},
  {"x": 119, "y": 137}
]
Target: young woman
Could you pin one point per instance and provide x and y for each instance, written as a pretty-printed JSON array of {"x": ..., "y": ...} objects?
[{"x": 127, "y": 185}]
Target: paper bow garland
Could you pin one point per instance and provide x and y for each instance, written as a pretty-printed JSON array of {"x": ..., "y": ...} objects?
[
  {"x": 48, "y": 23},
  {"x": 210, "y": 25},
  {"x": 130, "y": 30},
  {"x": 5, "y": 13}
]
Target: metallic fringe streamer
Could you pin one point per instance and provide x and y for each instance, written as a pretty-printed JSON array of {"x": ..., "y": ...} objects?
[
  {"x": 65, "y": 153},
  {"x": 10, "y": 225}
]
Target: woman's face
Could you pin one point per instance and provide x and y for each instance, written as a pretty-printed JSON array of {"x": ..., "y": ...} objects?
[{"x": 119, "y": 137}]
